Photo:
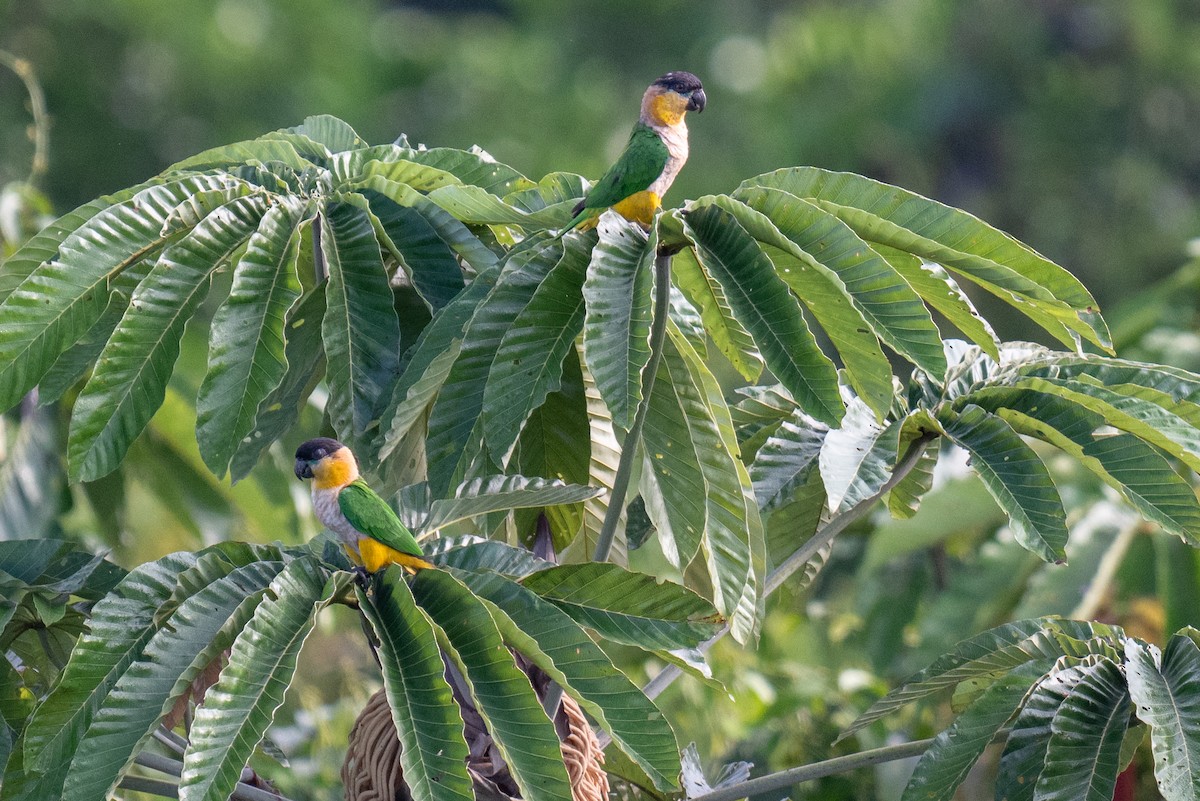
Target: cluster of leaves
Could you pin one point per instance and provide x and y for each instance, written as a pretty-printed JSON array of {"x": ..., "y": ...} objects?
[
  {"x": 250, "y": 608},
  {"x": 535, "y": 364},
  {"x": 1074, "y": 700}
]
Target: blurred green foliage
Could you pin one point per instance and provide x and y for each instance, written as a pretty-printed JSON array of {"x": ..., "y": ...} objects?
[{"x": 1069, "y": 124}]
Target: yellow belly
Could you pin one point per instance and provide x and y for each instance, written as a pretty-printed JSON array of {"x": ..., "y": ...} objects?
[
  {"x": 639, "y": 207},
  {"x": 374, "y": 556}
]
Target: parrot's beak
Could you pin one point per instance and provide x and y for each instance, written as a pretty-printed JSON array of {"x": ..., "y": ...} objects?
[
  {"x": 303, "y": 469},
  {"x": 697, "y": 101}
]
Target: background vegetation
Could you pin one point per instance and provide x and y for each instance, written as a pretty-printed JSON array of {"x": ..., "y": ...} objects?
[{"x": 1071, "y": 125}]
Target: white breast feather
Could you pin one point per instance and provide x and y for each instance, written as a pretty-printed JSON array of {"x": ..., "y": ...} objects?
[
  {"x": 325, "y": 504},
  {"x": 676, "y": 139}
]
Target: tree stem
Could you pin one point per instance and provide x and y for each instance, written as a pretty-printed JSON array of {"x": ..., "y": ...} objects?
[
  {"x": 806, "y": 773},
  {"x": 629, "y": 449},
  {"x": 804, "y": 554},
  {"x": 37, "y": 106}
]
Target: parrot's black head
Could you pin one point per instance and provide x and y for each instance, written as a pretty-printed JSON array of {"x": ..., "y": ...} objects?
[
  {"x": 687, "y": 85},
  {"x": 312, "y": 452}
]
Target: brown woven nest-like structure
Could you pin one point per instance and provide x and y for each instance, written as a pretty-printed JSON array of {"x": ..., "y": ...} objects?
[{"x": 372, "y": 769}]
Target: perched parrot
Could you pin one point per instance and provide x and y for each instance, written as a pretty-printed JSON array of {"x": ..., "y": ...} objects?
[
  {"x": 368, "y": 528},
  {"x": 657, "y": 148}
]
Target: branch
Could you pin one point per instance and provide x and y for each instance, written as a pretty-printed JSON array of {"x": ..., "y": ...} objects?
[
  {"x": 37, "y": 106},
  {"x": 806, "y": 773},
  {"x": 629, "y": 449},
  {"x": 804, "y": 554}
]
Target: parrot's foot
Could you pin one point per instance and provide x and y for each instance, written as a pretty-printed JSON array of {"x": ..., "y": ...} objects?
[{"x": 362, "y": 577}]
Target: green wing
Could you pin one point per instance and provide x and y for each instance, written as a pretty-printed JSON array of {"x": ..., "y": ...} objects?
[
  {"x": 640, "y": 163},
  {"x": 371, "y": 515}
]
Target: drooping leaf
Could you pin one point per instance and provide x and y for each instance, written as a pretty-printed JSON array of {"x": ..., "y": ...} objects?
[
  {"x": 616, "y": 332},
  {"x": 433, "y": 752},
  {"x": 528, "y": 363},
  {"x": 170, "y": 662},
  {"x": 763, "y": 303},
  {"x": 955, "y": 750},
  {"x": 360, "y": 329},
  {"x": 254, "y": 151},
  {"x": 498, "y": 493},
  {"x": 1166, "y": 696},
  {"x": 1083, "y": 757},
  {"x": 708, "y": 501},
  {"x": 64, "y": 296},
  {"x": 891, "y": 216},
  {"x": 455, "y": 412},
  {"x": 477, "y": 206},
  {"x": 992, "y": 653},
  {"x": 477, "y": 554},
  {"x": 121, "y": 625},
  {"x": 246, "y": 359},
  {"x": 129, "y": 381},
  {"x": 473, "y": 167},
  {"x": 707, "y": 296},
  {"x": 238, "y": 710},
  {"x": 279, "y": 410},
  {"x": 501, "y": 692},
  {"x": 556, "y": 644},
  {"x": 425, "y": 257},
  {"x": 31, "y": 479},
  {"x": 882, "y": 297},
  {"x": 1025, "y": 753},
  {"x": 1015, "y": 477},
  {"x": 631, "y": 608},
  {"x": 603, "y": 460}
]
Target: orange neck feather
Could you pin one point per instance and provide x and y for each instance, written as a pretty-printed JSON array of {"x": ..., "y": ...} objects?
[{"x": 335, "y": 471}]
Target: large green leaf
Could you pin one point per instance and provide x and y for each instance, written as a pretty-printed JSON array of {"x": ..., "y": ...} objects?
[
  {"x": 616, "y": 333},
  {"x": 631, "y": 608},
  {"x": 474, "y": 167},
  {"x": 121, "y": 625},
  {"x": 763, "y": 303},
  {"x": 528, "y": 363},
  {"x": 477, "y": 554},
  {"x": 498, "y": 493},
  {"x": 279, "y": 411},
  {"x": 555, "y": 643},
  {"x": 955, "y": 239},
  {"x": 238, "y": 710},
  {"x": 31, "y": 479},
  {"x": 992, "y": 653},
  {"x": 167, "y": 666},
  {"x": 501, "y": 692},
  {"x": 857, "y": 457},
  {"x": 60, "y": 300},
  {"x": 955, "y": 750},
  {"x": 1166, "y": 428},
  {"x": 1015, "y": 477},
  {"x": 1083, "y": 756},
  {"x": 603, "y": 460},
  {"x": 329, "y": 131},
  {"x": 360, "y": 329},
  {"x": 706, "y": 295},
  {"x": 433, "y": 752},
  {"x": 1125, "y": 462},
  {"x": 477, "y": 206},
  {"x": 1024, "y": 756},
  {"x": 1166, "y": 695},
  {"x": 937, "y": 288},
  {"x": 880, "y": 294},
  {"x": 454, "y": 233},
  {"x": 430, "y": 363},
  {"x": 130, "y": 379},
  {"x": 424, "y": 256},
  {"x": 255, "y": 151},
  {"x": 708, "y": 501},
  {"x": 455, "y": 413},
  {"x": 246, "y": 358}
]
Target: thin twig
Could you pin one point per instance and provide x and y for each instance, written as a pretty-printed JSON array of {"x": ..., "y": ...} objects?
[
  {"x": 140, "y": 784},
  {"x": 171, "y": 740},
  {"x": 37, "y": 106},
  {"x": 817, "y": 770},
  {"x": 629, "y": 449}
]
